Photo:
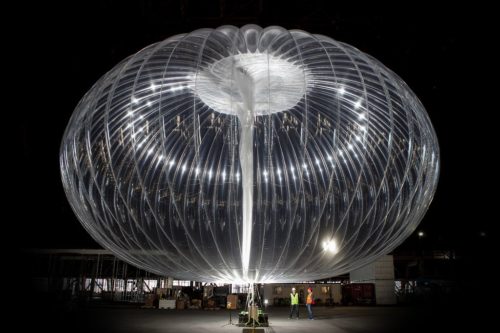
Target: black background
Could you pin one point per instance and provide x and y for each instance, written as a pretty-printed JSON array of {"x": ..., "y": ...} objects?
[{"x": 443, "y": 53}]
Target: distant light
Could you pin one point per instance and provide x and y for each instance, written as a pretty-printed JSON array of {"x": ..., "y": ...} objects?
[
  {"x": 330, "y": 246},
  {"x": 135, "y": 100},
  {"x": 482, "y": 234},
  {"x": 153, "y": 86},
  {"x": 266, "y": 301},
  {"x": 341, "y": 90},
  {"x": 361, "y": 116},
  {"x": 420, "y": 234}
]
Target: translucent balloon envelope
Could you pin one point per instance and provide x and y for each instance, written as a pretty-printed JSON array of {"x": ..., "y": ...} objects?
[{"x": 249, "y": 155}]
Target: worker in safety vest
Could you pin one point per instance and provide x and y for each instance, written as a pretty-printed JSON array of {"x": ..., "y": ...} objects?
[
  {"x": 294, "y": 303},
  {"x": 309, "y": 303}
]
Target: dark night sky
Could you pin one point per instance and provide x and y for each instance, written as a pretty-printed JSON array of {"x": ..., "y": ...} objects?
[{"x": 443, "y": 55}]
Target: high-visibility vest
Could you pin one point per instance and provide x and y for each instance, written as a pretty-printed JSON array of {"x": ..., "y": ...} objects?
[{"x": 294, "y": 298}]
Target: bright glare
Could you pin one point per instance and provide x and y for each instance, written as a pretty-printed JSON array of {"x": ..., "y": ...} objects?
[{"x": 330, "y": 246}]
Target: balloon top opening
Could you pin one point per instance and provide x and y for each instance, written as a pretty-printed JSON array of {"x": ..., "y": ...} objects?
[{"x": 259, "y": 81}]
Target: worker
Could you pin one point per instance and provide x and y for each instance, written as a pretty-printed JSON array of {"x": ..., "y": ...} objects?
[
  {"x": 309, "y": 303},
  {"x": 294, "y": 303}
]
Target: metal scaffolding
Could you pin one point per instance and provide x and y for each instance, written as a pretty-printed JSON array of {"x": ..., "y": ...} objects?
[{"x": 91, "y": 274}]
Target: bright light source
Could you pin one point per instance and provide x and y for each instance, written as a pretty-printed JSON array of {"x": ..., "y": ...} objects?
[
  {"x": 420, "y": 234},
  {"x": 330, "y": 246},
  {"x": 266, "y": 301}
]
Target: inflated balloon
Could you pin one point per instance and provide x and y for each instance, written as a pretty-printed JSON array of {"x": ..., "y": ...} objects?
[{"x": 250, "y": 155}]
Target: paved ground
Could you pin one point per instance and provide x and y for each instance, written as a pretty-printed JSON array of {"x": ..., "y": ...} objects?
[{"x": 132, "y": 319}]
